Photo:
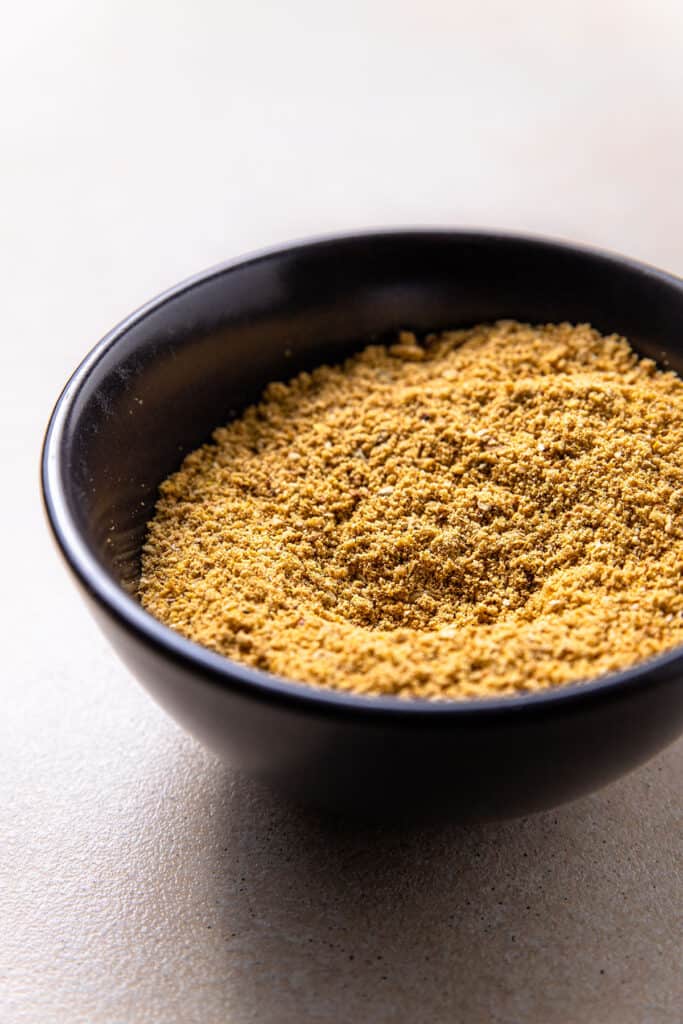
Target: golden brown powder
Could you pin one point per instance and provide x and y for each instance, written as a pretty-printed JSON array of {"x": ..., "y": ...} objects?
[{"x": 486, "y": 512}]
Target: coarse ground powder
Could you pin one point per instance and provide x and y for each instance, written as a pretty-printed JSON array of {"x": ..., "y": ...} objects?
[{"x": 483, "y": 512}]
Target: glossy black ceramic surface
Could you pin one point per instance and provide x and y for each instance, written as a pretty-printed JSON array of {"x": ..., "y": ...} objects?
[{"x": 158, "y": 384}]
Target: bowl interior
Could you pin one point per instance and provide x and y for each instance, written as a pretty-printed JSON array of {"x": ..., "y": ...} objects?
[{"x": 192, "y": 360}]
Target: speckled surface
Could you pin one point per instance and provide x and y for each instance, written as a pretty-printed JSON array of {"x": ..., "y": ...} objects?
[
  {"x": 177, "y": 891},
  {"x": 142, "y": 882}
]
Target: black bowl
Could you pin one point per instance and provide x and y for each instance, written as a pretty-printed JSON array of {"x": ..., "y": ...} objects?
[{"x": 155, "y": 388}]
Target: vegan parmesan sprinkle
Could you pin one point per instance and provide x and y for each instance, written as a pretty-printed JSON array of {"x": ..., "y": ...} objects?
[{"x": 481, "y": 512}]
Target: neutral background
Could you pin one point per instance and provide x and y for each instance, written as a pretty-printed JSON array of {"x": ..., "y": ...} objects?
[{"x": 140, "y": 880}]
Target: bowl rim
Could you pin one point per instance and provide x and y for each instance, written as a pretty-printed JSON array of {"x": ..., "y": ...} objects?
[{"x": 223, "y": 671}]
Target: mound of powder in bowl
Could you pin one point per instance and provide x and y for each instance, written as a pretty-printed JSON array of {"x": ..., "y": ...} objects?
[{"x": 481, "y": 512}]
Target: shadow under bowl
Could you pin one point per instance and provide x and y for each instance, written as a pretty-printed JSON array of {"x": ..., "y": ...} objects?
[{"x": 158, "y": 384}]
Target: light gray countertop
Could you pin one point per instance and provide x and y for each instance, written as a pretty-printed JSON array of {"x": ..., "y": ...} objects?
[{"x": 142, "y": 881}]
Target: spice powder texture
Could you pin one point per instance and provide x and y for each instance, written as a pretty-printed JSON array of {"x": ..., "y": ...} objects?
[{"x": 481, "y": 512}]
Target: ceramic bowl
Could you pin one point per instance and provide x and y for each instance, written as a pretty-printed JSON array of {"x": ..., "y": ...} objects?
[{"x": 156, "y": 386}]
